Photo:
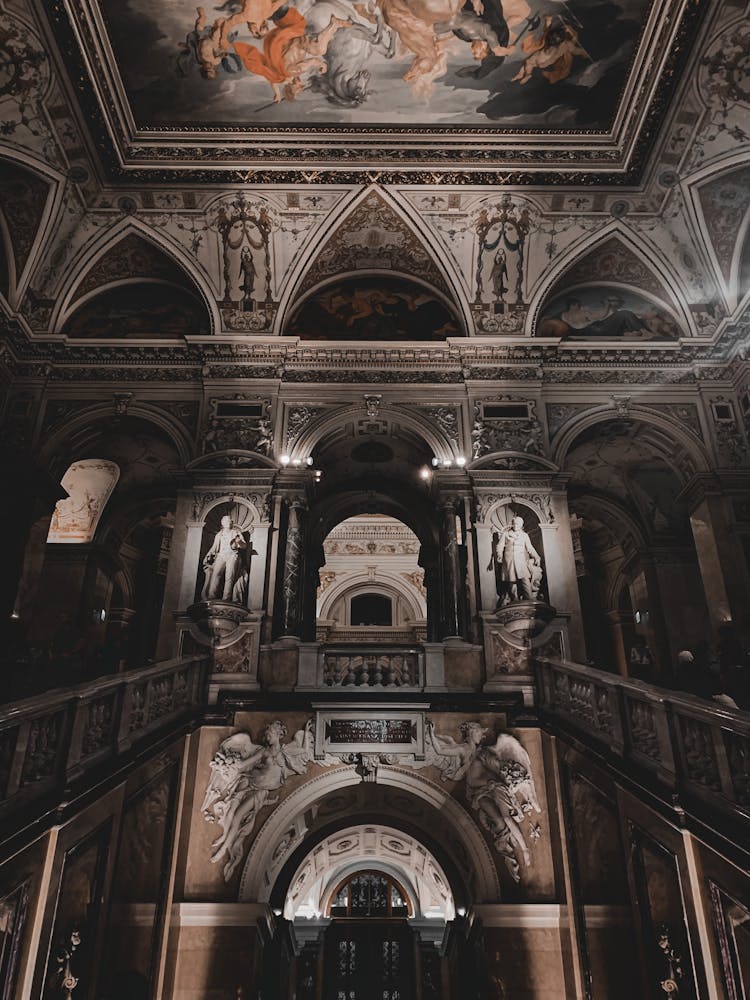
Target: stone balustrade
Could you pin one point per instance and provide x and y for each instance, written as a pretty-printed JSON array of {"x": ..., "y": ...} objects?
[
  {"x": 51, "y": 739},
  {"x": 372, "y": 668},
  {"x": 694, "y": 746}
]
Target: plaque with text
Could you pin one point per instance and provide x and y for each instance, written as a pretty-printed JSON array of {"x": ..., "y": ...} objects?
[{"x": 369, "y": 729}]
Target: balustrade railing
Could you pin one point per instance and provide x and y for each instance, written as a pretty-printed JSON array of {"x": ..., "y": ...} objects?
[
  {"x": 51, "y": 739},
  {"x": 371, "y": 668},
  {"x": 689, "y": 744}
]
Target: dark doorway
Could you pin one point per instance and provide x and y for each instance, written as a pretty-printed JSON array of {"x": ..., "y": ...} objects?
[
  {"x": 371, "y": 609},
  {"x": 369, "y": 959},
  {"x": 369, "y": 947}
]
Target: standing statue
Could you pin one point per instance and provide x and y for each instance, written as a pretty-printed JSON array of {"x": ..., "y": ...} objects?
[
  {"x": 517, "y": 564},
  {"x": 247, "y": 276},
  {"x": 243, "y": 776},
  {"x": 222, "y": 564}
]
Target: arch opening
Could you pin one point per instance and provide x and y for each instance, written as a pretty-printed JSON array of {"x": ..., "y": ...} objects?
[{"x": 371, "y": 584}]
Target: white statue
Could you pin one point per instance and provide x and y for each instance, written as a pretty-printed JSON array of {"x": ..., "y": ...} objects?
[
  {"x": 517, "y": 564},
  {"x": 243, "y": 776},
  {"x": 222, "y": 563},
  {"x": 499, "y": 785}
]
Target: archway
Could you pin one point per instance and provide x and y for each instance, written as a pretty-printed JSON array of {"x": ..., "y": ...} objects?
[
  {"x": 627, "y": 478},
  {"x": 371, "y": 584}
]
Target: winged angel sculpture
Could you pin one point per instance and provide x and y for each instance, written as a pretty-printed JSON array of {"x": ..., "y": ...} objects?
[
  {"x": 499, "y": 785},
  {"x": 244, "y": 776}
]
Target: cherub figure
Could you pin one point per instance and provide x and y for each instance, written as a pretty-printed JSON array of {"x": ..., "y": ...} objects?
[
  {"x": 552, "y": 53},
  {"x": 289, "y": 55}
]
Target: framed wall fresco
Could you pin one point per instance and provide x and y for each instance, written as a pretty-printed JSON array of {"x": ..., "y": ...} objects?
[
  {"x": 665, "y": 936},
  {"x": 373, "y": 308},
  {"x": 606, "y": 312},
  {"x": 598, "y": 869},
  {"x": 76, "y": 926},
  {"x": 524, "y": 85},
  {"x": 139, "y": 883},
  {"x": 139, "y": 310},
  {"x": 89, "y": 485}
]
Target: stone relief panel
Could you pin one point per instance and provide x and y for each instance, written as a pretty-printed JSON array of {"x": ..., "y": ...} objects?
[
  {"x": 244, "y": 777},
  {"x": 496, "y": 779},
  {"x": 724, "y": 88},
  {"x": 238, "y": 423},
  {"x": 723, "y": 205},
  {"x": 492, "y": 433},
  {"x": 374, "y": 235}
]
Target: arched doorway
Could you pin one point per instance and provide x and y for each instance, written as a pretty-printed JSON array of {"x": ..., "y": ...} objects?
[
  {"x": 369, "y": 905},
  {"x": 369, "y": 947}
]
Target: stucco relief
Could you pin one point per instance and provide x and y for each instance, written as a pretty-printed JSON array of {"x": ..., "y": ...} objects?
[
  {"x": 497, "y": 779},
  {"x": 498, "y": 783},
  {"x": 244, "y": 778}
]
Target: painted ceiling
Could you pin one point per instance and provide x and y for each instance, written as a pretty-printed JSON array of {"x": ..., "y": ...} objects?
[{"x": 539, "y": 86}]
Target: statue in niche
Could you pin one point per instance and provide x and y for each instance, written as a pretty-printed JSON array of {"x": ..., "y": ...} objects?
[
  {"x": 247, "y": 276},
  {"x": 223, "y": 563},
  {"x": 243, "y": 777},
  {"x": 499, "y": 785},
  {"x": 516, "y": 563}
]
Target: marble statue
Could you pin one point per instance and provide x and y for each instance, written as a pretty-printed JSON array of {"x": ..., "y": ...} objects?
[
  {"x": 499, "y": 785},
  {"x": 222, "y": 564},
  {"x": 517, "y": 564},
  {"x": 244, "y": 776}
]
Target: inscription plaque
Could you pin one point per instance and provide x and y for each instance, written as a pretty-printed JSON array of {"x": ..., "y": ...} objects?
[
  {"x": 391, "y": 731},
  {"x": 373, "y": 728}
]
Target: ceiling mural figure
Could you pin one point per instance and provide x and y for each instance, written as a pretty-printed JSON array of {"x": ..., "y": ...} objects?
[
  {"x": 603, "y": 312},
  {"x": 538, "y": 64},
  {"x": 373, "y": 308}
]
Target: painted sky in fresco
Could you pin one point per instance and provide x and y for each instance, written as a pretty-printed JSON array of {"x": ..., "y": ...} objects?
[{"x": 525, "y": 64}]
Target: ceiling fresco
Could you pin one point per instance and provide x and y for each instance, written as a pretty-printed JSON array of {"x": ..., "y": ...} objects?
[
  {"x": 497, "y": 80},
  {"x": 547, "y": 63}
]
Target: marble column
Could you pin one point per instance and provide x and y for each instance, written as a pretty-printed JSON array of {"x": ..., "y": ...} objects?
[
  {"x": 726, "y": 582},
  {"x": 428, "y": 562},
  {"x": 182, "y": 570},
  {"x": 453, "y": 618},
  {"x": 258, "y": 563},
  {"x": 290, "y": 605},
  {"x": 560, "y": 568},
  {"x": 620, "y": 623}
]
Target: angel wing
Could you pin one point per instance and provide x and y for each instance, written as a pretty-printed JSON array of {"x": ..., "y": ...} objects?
[
  {"x": 507, "y": 748},
  {"x": 298, "y": 753}
]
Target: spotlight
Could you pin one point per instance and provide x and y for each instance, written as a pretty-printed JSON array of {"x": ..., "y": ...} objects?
[
  {"x": 461, "y": 461},
  {"x": 297, "y": 461},
  {"x": 14, "y": 616},
  {"x": 309, "y": 460},
  {"x": 435, "y": 462},
  {"x": 461, "y": 911},
  {"x": 284, "y": 460},
  {"x": 447, "y": 463},
  {"x": 425, "y": 473}
]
